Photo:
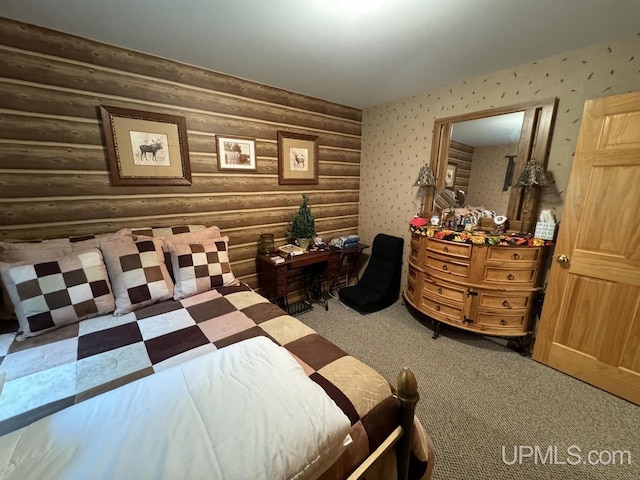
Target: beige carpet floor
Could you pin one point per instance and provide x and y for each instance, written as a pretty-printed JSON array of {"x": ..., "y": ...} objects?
[{"x": 478, "y": 397}]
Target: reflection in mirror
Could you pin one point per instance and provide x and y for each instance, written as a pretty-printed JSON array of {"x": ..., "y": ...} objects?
[
  {"x": 484, "y": 161},
  {"x": 481, "y": 151}
]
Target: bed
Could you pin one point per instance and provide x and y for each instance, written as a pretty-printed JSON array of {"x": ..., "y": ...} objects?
[{"x": 137, "y": 363}]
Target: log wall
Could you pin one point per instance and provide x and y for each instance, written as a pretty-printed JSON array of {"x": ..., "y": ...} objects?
[
  {"x": 54, "y": 175},
  {"x": 461, "y": 156}
]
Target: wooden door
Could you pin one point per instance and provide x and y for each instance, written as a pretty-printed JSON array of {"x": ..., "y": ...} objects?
[{"x": 590, "y": 324}]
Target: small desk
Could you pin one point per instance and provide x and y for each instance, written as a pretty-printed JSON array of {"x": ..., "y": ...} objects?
[
  {"x": 348, "y": 257},
  {"x": 274, "y": 280}
]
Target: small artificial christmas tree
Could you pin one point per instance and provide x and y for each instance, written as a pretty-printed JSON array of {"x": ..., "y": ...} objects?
[{"x": 303, "y": 222}]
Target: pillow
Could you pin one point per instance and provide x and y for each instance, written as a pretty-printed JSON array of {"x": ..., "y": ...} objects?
[
  {"x": 12, "y": 251},
  {"x": 192, "y": 234},
  {"x": 198, "y": 267},
  {"x": 162, "y": 232},
  {"x": 53, "y": 293},
  {"x": 138, "y": 274}
]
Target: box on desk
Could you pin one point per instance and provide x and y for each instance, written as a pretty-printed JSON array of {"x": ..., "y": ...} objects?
[{"x": 345, "y": 241}]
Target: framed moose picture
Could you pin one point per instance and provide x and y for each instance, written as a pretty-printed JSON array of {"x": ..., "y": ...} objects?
[{"x": 146, "y": 148}]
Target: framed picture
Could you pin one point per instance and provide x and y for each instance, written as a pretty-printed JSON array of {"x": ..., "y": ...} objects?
[
  {"x": 236, "y": 153},
  {"x": 146, "y": 148},
  {"x": 297, "y": 159},
  {"x": 450, "y": 176}
]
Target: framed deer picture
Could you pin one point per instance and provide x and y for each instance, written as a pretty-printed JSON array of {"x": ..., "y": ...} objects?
[
  {"x": 146, "y": 148},
  {"x": 297, "y": 159}
]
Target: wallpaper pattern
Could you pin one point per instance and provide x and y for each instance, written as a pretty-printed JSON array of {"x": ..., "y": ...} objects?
[
  {"x": 488, "y": 169},
  {"x": 397, "y": 136}
]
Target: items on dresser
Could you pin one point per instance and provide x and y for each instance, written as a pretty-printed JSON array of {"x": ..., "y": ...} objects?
[{"x": 477, "y": 282}]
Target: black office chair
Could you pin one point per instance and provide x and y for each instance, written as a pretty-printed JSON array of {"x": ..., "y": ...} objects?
[{"x": 379, "y": 286}]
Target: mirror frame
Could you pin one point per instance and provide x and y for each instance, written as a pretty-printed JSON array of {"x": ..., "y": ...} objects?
[{"x": 535, "y": 142}]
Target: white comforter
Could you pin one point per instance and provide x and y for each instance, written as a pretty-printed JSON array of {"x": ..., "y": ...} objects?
[{"x": 247, "y": 411}]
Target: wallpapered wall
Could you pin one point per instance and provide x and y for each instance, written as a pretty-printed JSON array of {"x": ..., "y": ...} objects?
[
  {"x": 488, "y": 169},
  {"x": 397, "y": 136}
]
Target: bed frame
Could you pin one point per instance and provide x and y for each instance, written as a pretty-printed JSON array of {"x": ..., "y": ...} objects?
[{"x": 407, "y": 392}]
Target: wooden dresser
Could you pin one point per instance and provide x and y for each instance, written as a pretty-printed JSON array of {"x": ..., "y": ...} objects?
[{"x": 483, "y": 288}]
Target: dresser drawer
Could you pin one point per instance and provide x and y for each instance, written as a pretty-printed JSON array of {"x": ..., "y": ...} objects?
[
  {"x": 522, "y": 254},
  {"x": 451, "y": 249},
  {"x": 415, "y": 249},
  {"x": 437, "y": 307},
  {"x": 503, "y": 301},
  {"x": 446, "y": 266},
  {"x": 443, "y": 291},
  {"x": 510, "y": 275},
  {"x": 504, "y": 321}
]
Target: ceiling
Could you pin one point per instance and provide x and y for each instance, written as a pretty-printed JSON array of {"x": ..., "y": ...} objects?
[{"x": 315, "y": 48}]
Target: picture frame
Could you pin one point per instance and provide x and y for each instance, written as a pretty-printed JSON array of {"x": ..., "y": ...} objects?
[
  {"x": 297, "y": 159},
  {"x": 236, "y": 153},
  {"x": 146, "y": 148},
  {"x": 450, "y": 176}
]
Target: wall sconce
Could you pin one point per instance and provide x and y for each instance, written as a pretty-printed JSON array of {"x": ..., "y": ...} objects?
[{"x": 425, "y": 180}]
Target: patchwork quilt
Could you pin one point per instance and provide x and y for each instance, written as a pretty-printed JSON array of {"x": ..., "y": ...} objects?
[{"x": 66, "y": 366}]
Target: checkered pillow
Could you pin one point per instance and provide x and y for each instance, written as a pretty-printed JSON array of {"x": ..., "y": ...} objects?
[
  {"x": 51, "y": 294},
  {"x": 198, "y": 267},
  {"x": 138, "y": 273},
  {"x": 13, "y": 251},
  {"x": 166, "y": 231}
]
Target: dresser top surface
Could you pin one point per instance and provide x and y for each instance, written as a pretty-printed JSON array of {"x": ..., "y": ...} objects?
[{"x": 479, "y": 237}]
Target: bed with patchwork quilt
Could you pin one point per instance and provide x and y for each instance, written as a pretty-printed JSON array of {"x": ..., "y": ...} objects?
[{"x": 130, "y": 339}]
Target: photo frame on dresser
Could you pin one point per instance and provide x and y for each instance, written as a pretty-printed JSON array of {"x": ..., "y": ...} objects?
[
  {"x": 236, "y": 153},
  {"x": 297, "y": 159},
  {"x": 146, "y": 148}
]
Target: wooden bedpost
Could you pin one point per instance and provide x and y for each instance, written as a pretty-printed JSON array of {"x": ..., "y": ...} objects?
[{"x": 408, "y": 396}]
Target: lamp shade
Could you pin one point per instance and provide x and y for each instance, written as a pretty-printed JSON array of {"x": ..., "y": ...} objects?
[
  {"x": 425, "y": 177},
  {"x": 532, "y": 175}
]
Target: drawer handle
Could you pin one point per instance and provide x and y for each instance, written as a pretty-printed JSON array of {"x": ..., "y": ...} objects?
[
  {"x": 445, "y": 249},
  {"x": 515, "y": 256},
  {"x": 510, "y": 277},
  {"x": 437, "y": 308},
  {"x": 440, "y": 291},
  {"x": 503, "y": 321},
  {"x": 445, "y": 268},
  {"x": 505, "y": 303}
]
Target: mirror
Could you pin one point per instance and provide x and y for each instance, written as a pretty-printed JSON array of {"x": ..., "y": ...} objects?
[{"x": 482, "y": 154}]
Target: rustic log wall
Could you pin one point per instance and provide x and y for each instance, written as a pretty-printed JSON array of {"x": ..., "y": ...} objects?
[
  {"x": 461, "y": 155},
  {"x": 54, "y": 176}
]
